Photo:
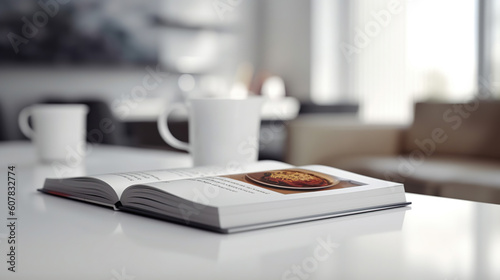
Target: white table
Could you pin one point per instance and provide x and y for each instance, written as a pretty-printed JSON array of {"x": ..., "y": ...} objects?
[{"x": 435, "y": 238}]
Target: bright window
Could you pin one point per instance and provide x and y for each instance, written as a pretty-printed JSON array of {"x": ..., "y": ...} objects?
[{"x": 393, "y": 53}]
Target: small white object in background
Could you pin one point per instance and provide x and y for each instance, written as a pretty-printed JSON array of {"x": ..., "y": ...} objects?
[
  {"x": 278, "y": 106},
  {"x": 239, "y": 91},
  {"x": 273, "y": 88},
  {"x": 222, "y": 131},
  {"x": 58, "y": 131},
  {"x": 186, "y": 82}
]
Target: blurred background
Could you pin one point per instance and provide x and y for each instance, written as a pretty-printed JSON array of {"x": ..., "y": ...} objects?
[{"x": 320, "y": 63}]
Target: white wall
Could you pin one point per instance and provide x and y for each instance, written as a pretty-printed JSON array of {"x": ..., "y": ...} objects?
[{"x": 285, "y": 37}]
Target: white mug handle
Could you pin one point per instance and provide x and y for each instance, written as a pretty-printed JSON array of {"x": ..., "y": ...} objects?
[
  {"x": 165, "y": 132},
  {"x": 23, "y": 122}
]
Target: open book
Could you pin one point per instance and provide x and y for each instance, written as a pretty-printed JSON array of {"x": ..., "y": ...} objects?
[{"x": 235, "y": 198}]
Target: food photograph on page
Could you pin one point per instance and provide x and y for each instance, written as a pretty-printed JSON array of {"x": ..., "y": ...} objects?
[{"x": 296, "y": 180}]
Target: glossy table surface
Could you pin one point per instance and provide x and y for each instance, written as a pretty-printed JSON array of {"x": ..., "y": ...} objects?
[{"x": 56, "y": 238}]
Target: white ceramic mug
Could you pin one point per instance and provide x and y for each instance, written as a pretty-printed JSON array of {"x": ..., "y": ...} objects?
[
  {"x": 221, "y": 131},
  {"x": 58, "y": 130}
]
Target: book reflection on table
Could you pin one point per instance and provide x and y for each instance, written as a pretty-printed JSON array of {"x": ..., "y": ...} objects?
[{"x": 270, "y": 241}]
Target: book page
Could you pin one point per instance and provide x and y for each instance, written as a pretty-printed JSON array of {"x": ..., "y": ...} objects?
[
  {"x": 269, "y": 185},
  {"x": 255, "y": 197},
  {"x": 120, "y": 181}
]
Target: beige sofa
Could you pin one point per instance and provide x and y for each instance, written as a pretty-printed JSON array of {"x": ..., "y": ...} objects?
[{"x": 450, "y": 150}]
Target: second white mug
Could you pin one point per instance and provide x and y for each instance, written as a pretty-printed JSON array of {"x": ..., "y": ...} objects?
[
  {"x": 58, "y": 130},
  {"x": 221, "y": 131}
]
